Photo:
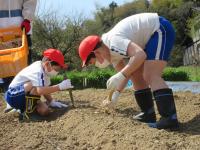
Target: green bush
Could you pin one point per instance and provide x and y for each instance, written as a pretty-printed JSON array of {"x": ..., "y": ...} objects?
[
  {"x": 86, "y": 79},
  {"x": 172, "y": 74},
  {"x": 97, "y": 78},
  {"x": 56, "y": 80},
  {"x": 77, "y": 79},
  {"x": 193, "y": 72}
]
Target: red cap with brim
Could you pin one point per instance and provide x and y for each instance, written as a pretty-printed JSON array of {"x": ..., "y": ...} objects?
[
  {"x": 86, "y": 46},
  {"x": 56, "y": 56}
]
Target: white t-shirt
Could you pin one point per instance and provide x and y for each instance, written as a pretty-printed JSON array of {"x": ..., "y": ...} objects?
[
  {"x": 34, "y": 74},
  {"x": 136, "y": 28}
]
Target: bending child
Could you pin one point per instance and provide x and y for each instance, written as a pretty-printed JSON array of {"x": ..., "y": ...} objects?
[{"x": 139, "y": 48}]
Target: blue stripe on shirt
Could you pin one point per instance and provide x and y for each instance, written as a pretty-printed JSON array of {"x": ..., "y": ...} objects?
[
  {"x": 42, "y": 78},
  {"x": 13, "y": 13}
]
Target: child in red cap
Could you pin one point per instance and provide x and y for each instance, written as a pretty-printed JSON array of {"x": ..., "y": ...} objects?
[
  {"x": 139, "y": 48},
  {"x": 34, "y": 80}
]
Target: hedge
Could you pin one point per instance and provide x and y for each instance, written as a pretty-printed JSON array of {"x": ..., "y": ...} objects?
[
  {"x": 97, "y": 78},
  {"x": 86, "y": 79},
  {"x": 192, "y": 71},
  {"x": 173, "y": 74}
]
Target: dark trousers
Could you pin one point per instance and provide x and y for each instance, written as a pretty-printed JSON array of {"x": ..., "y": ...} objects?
[{"x": 30, "y": 49}]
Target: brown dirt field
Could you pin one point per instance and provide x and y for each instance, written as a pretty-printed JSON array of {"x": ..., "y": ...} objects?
[{"x": 87, "y": 127}]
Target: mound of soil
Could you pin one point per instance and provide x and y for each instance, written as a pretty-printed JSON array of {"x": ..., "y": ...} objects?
[{"x": 89, "y": 127}]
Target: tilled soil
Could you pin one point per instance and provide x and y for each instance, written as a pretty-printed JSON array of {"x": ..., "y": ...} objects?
[{"x": 89, "y": 127}]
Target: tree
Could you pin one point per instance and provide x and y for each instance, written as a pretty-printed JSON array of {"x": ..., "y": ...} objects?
[
  {"x": 112, "y": 7},
  {"x": 49, "y": 32},
  {"x": 66, "y": 33}
]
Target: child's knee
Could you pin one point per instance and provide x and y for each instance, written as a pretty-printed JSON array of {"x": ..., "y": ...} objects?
[
  {"x": 28, "y": 86},
  {"x": 34, "y": 92}
]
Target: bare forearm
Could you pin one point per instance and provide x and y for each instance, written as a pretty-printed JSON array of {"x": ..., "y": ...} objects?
[
  {"x": 47, "y": 90},
  {"x": 122, "y": 85},
  {"x": 118, "y": 68},
  {"x": 48, "y": 98},
  {"x": 137, "y": 58},
  {"x": 134, "y": 63}
]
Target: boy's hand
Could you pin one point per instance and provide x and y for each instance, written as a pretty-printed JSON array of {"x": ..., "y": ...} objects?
[
  {"x": 65, "y": 84},
  {"x": 115, "y": 81},
  {"x": 57, "y": 104},
  {"x": 26, "y": 24}
]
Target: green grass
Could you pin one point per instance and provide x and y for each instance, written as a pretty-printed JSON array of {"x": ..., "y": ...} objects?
[{"x": 192, "y": 71}]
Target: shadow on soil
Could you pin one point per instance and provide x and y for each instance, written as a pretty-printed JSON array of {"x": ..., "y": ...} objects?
[
  {"x": 58, "y": 112},
  {"x": 191, "y": 127}
]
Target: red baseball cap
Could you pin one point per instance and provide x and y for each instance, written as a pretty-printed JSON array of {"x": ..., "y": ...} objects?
[
  {"x": 87, "y": 46},
  {"x": 56, "y": 56}
]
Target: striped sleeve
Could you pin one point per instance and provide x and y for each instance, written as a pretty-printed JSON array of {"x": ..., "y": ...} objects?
[{"x": 119, "y": 44}]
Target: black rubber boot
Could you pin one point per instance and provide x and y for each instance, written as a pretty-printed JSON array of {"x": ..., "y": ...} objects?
[
  {"x": 145, "y": 102},
  {"x": 166, "y": 107}
]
